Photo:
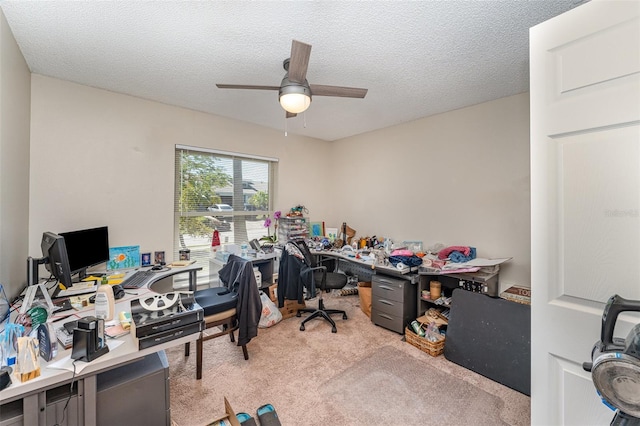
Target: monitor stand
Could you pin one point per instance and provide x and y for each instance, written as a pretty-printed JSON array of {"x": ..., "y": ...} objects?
[{"x": 30, "y": 295}]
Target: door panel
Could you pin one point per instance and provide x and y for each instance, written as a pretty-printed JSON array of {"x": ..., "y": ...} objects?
[
  {"x": 585, "y": 197},
  {"x": 600, "y": 194}
]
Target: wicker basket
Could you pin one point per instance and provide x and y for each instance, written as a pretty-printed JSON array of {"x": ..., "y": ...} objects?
[{"x": 432, "y": 348}]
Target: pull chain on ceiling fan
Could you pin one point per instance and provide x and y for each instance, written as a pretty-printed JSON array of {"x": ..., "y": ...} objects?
[{"x": 295, "y": 92}]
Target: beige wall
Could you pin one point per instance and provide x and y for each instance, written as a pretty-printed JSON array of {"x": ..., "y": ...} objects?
[
  {"x": 15, "y": 86},
  {"x": 459, "y": 178},
  {"x": 101, "y": 158}
]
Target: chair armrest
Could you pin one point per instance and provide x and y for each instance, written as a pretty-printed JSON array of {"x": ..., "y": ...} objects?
[{"x": 323, "y": 281}]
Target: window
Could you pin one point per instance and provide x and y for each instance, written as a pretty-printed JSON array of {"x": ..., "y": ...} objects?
[{"x": 215, "y": 190}]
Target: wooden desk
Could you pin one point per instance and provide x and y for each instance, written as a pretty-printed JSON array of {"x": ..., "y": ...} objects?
[{"x": 33, "y": 392}]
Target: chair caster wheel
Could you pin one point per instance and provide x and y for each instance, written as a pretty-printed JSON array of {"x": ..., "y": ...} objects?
[
  {"x": 302, "y": 328},
  {"x": 298, "y": 314},
  {"x": 334, "y": 330},
  {"x": 344, "y": 316}
]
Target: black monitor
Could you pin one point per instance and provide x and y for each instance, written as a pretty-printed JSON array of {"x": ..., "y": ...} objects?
[
  {"x": 86, "y": 248},
  {"x": 54, "y": 255}
]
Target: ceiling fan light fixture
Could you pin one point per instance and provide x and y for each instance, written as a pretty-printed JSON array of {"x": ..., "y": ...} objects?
[{"x": 295, "y": 99}]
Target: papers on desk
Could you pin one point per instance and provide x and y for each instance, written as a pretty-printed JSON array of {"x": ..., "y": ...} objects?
[
  {"x": 484, "y": 262},
  {"x": 78, "y": 288}
]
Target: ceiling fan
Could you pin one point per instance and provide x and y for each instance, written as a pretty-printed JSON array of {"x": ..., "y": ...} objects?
[{"x": 295, "y": 92}]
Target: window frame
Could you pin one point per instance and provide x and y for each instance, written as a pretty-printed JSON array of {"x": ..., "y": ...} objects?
[{"x": 205, "y": 275}]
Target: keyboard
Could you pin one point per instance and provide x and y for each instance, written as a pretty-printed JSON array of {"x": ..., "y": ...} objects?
[{"x": 137, "y": 279}]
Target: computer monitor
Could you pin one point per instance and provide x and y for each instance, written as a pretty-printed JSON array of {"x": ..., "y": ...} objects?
[
  {"x": 54, "y": 254},
  {"x": 86, "y": 248}
]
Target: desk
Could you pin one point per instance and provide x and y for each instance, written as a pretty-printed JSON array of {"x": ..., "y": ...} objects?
[
  {"x": 264, "y": 264},
  {"x": 393, "y": 303},
  {"x": 33, "y": 392},
  {"x": 364, "y": 270}
]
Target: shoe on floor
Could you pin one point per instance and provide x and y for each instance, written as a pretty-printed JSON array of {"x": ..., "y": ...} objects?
[{"x": 268, "y": 416}]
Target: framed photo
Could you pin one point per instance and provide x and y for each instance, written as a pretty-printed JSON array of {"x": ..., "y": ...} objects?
[
  {"x": 316, "y": 229},
  {"x": 331, "y": 233},
  {"x": 159, "y": 258},
  {"x": 126, "y": 257},
  {"x": 146, "y": 259}
]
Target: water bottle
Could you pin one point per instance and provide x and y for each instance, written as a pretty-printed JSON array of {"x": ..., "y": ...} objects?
[{"x": 245, "y": 250}]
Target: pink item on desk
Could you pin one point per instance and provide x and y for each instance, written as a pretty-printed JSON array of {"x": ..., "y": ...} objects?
[
  {"x": 444, "y": 253},
  {"x": 402, "y": 252}
]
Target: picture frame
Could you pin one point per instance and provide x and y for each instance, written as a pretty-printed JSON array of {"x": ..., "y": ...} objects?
[
  {"x": 124, "y": 257},
  {"x": 159, "y": 257},
  {"x": 146, "y": 259},
  {"x": 316, "y": 229},
  {"x": 331, "y": 233}
]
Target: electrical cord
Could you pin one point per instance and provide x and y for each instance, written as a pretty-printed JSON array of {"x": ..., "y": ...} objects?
[{"x": 64, "y": 410}]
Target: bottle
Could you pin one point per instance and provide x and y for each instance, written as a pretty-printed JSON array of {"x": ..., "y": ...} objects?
[{"x": 105, "y": 303}]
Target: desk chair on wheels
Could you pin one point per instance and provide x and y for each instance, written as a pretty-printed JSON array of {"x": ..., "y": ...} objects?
[
  {"x": 234, "y": 306},
  {"x": 325, "y": 281}
]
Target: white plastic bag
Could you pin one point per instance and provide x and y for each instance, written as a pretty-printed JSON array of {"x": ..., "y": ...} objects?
[{"x": 270, "y": 314}]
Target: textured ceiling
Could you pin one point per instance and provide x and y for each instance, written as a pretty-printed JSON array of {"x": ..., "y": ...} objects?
[{"x": 417, "y": 58}]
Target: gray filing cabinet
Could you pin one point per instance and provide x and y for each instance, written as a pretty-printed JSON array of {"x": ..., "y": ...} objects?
[
  {"x": 393, "y": 303},
  {"x": 133, "y": 394}
]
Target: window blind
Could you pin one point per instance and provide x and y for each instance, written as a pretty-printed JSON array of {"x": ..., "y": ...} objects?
[{"x": 216, "y": 190}]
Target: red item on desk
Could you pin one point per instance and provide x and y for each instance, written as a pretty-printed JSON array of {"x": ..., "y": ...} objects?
[{"x": 215, "y": 240}]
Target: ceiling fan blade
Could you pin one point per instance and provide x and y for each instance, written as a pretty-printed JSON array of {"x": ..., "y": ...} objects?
[
  {"x": 299, "y": 61},
  {"x": 290, "y": 114},
  {"x": 246, "y": 86},
  {"x": 343, "y": 92}
]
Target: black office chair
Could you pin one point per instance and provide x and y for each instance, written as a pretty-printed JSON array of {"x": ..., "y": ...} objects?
[{"x": 324, "y": 281}]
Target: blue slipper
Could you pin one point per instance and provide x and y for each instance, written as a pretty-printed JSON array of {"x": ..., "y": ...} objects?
[
  {"x": 246, "y": 420},
  {"x": 268, "y": 416}
]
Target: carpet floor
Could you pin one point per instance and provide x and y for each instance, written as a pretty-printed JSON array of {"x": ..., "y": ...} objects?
[{"x": 361, "y": 375}]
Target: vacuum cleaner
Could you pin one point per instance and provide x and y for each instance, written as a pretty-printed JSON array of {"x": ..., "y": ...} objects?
[{"x": 615, "y": 364}]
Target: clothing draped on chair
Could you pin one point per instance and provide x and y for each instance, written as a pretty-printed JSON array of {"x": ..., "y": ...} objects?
[
  {"x": 237, "y": 275},
  {"x": 294, "y": 275},
  {"x": 236, "y": 306},
  {"x": 298, "y": 270}
]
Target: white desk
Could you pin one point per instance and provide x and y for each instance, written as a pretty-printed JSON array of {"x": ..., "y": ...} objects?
[
  {"x": 265, "y": 265},
  {"x": 32, "y": 391}
]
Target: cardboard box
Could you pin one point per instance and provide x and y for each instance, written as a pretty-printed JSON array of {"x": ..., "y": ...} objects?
[
  {"x": 290, "y": 308},
  {"x": 273, "y": 295},
  {"x": 228, "y": 418}
]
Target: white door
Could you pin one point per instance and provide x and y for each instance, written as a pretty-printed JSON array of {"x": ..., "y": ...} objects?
[{"x": 585, "y": 198}]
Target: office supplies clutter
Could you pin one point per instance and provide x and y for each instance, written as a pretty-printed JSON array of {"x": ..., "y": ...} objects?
[
  {"x": 157, "y": 319},
  {"x": 9, "y": 343},
  {"x": 27, "y": 362},
  {"x": 89, "y": 340},
  {"x": 47, "y": 342},
  {"x": 105, "y": 301},
  {"x": 125, "y": 319}
]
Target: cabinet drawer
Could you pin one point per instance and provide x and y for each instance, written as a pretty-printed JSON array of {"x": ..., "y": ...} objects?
[
  {"x": 388, "y": 321},
  {"x": 389, "y": 288},
  {"x": 391, "y": 307}
]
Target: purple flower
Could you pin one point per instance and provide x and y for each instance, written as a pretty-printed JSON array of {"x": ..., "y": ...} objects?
[
  {"x": 267, "y": 222},
  {"x": 277, "y": 215}
]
